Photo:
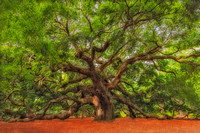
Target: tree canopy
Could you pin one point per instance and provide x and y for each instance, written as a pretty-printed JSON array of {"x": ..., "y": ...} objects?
[{"x": 108, "y": 58}]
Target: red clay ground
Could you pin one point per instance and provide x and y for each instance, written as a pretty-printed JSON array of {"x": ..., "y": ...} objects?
[{"x": 87, "y": 125}]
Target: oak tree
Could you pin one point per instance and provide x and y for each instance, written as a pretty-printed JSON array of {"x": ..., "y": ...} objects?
[{"x": 105, "y": 54}]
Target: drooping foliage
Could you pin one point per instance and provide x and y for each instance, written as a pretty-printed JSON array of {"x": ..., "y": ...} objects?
[{"x": 104, "y": 58}]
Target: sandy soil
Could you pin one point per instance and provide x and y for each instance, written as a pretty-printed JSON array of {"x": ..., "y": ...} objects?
[{"x": 87, "y": 125}]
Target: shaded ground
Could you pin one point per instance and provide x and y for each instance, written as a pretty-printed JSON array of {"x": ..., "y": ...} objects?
[{"x": 87, "y": 125}]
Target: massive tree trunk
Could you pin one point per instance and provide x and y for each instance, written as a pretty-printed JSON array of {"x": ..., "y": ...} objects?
[
  {"x": 102, "y": 100},
  {"x": 104, "y": 108}
]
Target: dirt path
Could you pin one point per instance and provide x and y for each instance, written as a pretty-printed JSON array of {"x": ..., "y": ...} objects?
[{"x": 87, "y": 125}]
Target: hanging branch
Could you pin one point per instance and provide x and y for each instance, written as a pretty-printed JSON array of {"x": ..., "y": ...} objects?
[{"x": 156, "y": 67}]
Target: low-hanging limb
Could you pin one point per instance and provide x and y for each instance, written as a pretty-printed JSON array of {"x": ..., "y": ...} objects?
[
  {"x": 73, "y": 108},
  {"x": 77, "y": 104},
  {"x": 132, "y": 114},
  {"x": 128, "y": 102},
  {"x": 56, "y": 101},
  {"x": 31, "y": 113},
  {"x": 13, "y": 91},
  {"x": 14, "y": 113}
]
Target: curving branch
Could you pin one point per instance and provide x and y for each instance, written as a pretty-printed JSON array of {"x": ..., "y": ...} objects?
[
  {"x": 129, "y": 103},
  {"x": 64, "y": 27},
  {"x": 156, "y": 67},
  {"x": 135, "y": 107},
  {"x": 73, "y": 108},
  {"x": 76, "y": 89},
  {"x": 170, "y": 53},
  {"x": 113, "y": 58},
  {"x": 86, "y": 58},
  {"x": 149, "y": 56},
  {"x": 13, "y": 91},
  {"x": 179, "y": 59},
  {"x": 136, "y": 93},
  {"x": 74, "y": 81},
  {"x": 31, "y": 114},
  {"x": 131, "y": 61},
  {"x": 69, "y": 67},
  {"x": 156, "y": 6},
  {"x": 100, "y": 50},
  {"x": 140, "y": 15},
  {"x": 56, "y": 101}
]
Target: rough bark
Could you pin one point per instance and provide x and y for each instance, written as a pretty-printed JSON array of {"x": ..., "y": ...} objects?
[{"x": 104, "y": 109}]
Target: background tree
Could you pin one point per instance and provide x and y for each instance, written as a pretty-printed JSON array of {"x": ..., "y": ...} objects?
[{"x": 106, "y": 56}]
